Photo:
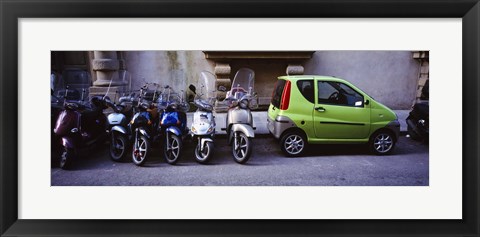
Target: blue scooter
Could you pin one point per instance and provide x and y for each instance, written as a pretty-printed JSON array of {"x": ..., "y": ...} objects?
[
  {"x": 144, "y": 125},
  {"x": 173, "y": 123}
]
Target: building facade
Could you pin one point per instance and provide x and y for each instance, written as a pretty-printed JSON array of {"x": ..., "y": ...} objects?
[{"x": 392, "y": 77}]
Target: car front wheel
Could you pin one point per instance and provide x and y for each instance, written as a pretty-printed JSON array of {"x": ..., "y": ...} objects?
[{"x": 382, "y": 142}]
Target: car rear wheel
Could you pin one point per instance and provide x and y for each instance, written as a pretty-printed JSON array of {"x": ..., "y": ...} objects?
[{"x": 293, "y": 143}]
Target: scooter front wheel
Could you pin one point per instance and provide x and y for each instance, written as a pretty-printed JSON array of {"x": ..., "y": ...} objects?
[
  {"x": 141, "y": 149},
  {"x": 66, "y": 159},
  {"x": 172, "y": 148},
  {"x": 204, "y": 156},
  {"x": 242, "y": 147},
  {"x": 118, "y": 146}
]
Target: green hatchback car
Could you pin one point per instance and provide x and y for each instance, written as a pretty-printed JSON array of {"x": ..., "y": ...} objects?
[{"x": 328, "y": 110}]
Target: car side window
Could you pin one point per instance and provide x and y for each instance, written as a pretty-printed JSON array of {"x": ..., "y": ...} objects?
[
  {"x": 337, "y": 93},
  {"x": 306, "y": 88},
  {"x": 277, "y": 93}
]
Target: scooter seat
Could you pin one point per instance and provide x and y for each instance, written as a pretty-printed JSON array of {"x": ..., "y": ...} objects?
[{"x": 77, "y": 105}]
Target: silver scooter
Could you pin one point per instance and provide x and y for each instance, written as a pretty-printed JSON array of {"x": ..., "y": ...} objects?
[
  {"x": 120, "y": 134},
  {"x": 203, "y": 125},
  {"x": 239, "y": 123}
]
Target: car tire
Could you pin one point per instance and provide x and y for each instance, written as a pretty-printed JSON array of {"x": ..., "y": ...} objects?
[
  {"x": 293, "y": 144},
  {"x": 382, "y": 142}
]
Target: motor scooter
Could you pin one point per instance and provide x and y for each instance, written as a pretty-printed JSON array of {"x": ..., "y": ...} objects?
[
  {"x": 173, "y": 124},
  {"x": 144, "y": 124},
  {"x": 80, "y": 125},
  {"x": 203, "y": 125},
  {"x": 239, "y": 122},
  {"x": 118, "y": 126},
  {"x": 418, "y": 118}
]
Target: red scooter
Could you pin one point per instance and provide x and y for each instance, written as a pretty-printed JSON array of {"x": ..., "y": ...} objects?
[{"x": 81, "y": 125}]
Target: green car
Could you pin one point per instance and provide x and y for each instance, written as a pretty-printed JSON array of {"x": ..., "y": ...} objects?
[{"x": 328, "y": 110}]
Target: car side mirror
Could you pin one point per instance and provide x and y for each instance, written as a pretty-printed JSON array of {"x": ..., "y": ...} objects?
[{"x": 367, "y": 102}]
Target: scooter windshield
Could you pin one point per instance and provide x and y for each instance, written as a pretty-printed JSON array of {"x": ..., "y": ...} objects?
[
  {"x": 242, "y": 83},
  {"x": 172, "y": 99},
  {"x": 206, "y": 91}
]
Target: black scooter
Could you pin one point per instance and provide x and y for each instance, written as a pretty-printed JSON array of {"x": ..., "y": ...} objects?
[
  {"x": 418, "y": 119},
  {"x": 417, "y": 122}
]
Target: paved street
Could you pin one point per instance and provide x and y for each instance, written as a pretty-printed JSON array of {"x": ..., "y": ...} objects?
[{"x": 323, "y": 165}]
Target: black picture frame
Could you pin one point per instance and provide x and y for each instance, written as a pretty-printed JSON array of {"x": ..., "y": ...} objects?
[{"x": 11, "y": 11}]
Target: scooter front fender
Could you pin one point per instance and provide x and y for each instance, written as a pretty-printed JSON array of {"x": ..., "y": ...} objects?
[
  {"x": 116, "y": 119},
  {"x": 143, "y": 132},
  {"x": 174, "y": 130},
  {"x": 204, "y": 140},
  {"x": 119, "y": 129},
  {"x": 69, "y": 142},
  {"x": 244, "y": 128}
]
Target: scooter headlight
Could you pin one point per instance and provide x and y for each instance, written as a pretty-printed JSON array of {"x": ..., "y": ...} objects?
[
  {"x": 210, "y": 129},
  {"x": 243, "y": 104},
  {"x": 233, "y": 103},
  {"x": 422, "y": 122}
]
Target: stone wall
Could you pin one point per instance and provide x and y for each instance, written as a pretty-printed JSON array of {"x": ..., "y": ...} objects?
[
  {"x": 174, "y": 68},
  {"x": 391, "y": 77}
]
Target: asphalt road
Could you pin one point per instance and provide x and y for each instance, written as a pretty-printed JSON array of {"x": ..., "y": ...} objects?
[{"x": 323, "y": 165}]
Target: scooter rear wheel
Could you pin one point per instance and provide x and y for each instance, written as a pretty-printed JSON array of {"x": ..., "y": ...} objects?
[
  {"x": 242, "y": 148},
  {"x": 204, "y": 156},
  {"x": 141, "y": 150}
]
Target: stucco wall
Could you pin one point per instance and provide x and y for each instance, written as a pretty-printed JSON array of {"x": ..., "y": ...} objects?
[
  {"x": 174, "y": 68},
  {"x": 388, "y": 76}
]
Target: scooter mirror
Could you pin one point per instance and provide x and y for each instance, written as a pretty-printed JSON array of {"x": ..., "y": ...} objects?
[
  {"x": 192, "y": 88},
  {"x": 222, "y": 88}
]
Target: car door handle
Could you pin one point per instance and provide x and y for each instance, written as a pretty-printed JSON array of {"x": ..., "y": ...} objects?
[{"x": 320, "y": 109}]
